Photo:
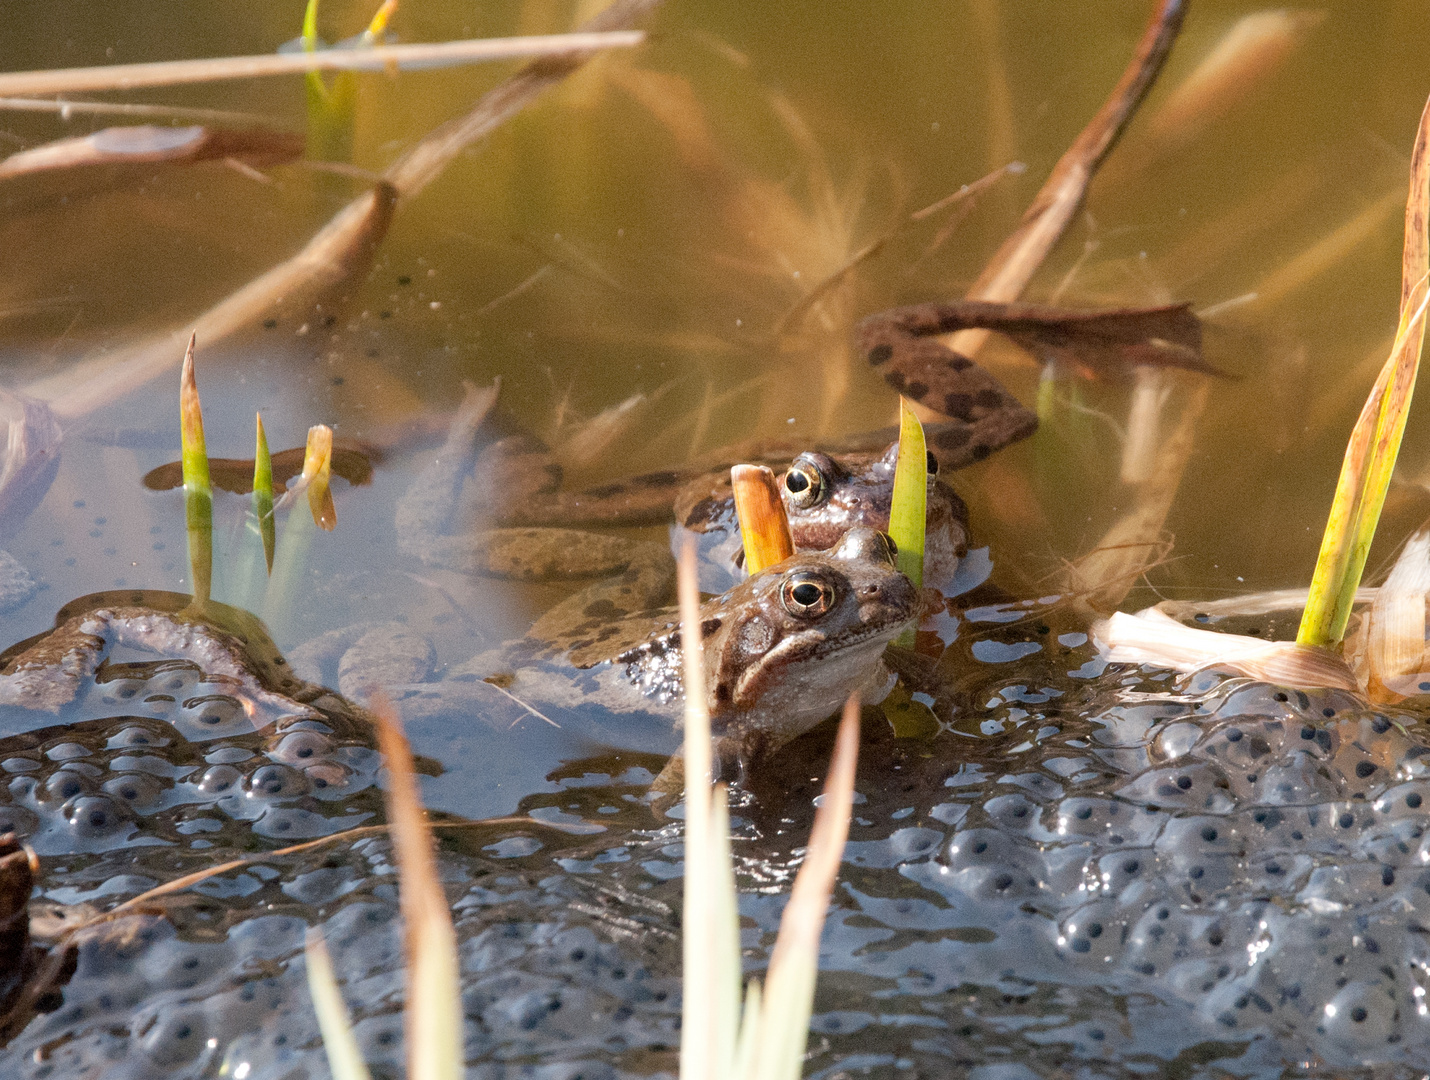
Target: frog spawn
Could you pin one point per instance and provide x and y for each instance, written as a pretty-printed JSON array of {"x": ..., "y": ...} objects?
[
  {"x": 1236, "y": 878},
  {"x": 172, "y": 762}
]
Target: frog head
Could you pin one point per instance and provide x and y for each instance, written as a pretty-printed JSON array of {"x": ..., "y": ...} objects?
[
  {"x": 826, "y": 497},
  {"x": 786, "y": 648}
]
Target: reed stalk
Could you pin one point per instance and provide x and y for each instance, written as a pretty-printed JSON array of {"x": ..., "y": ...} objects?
[{"x": 1375, "y": 439}]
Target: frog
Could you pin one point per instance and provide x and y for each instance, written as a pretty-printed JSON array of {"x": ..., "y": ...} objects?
[
  {"x": 784, "y": 649},
  {"x": 488, "y": 470}
]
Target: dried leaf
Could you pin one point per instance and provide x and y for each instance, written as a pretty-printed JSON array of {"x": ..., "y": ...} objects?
[{"x": 1150, "y": 637}]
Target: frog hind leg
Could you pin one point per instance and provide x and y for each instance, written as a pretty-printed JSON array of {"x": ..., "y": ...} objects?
[
  {"x": 641, "y": 577},
  {"x": 983, "y": 415}
]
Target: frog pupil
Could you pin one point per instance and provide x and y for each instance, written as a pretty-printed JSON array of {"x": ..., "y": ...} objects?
[
  {"x": 806, "y": 594},
  {"x": 796, "y": 482}
]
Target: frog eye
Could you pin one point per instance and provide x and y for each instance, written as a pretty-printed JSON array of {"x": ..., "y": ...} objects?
[
  {"x": 805, "y": 483},
  {"x": 806, "y": 595}
]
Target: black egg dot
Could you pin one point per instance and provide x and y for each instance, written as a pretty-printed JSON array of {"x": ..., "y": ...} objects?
[
  {"x": 1413, "y": 800},
  {"x": 1380, "y": 725},
  {"x": 1209, "y": 834},
  {"x": 1358, "y": 1014},
  {"x": 1364, "y": 768},
  {"x": 1233, "y": 734},
  {"x": 1308, "y": 733},
  {"x": 1282, "y": 697},
  {"x": 1184, "y": 782},
  {"x": 1387, "y": 875},
  {"x": 1345, "y": 821}
]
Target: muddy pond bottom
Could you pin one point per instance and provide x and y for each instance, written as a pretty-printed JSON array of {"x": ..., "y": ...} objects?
[{"x": 1227, "y": 879}]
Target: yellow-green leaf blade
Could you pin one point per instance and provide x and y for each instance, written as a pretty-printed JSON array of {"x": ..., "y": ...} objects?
[
  {"x": 263, "y": 494},
  {"x": 1375, "y": 440},
  {"x": 198, "y": 492}
]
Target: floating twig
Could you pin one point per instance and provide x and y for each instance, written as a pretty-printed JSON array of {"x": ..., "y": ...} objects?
[{"x": 379, "y": 58}]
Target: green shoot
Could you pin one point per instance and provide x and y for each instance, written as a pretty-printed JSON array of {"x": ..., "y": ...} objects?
[
  {"x": 344, "y": 1058},
  {"x": 332, "y": 106},
  {"x": 198, "y": 494},
  {"x": 263, "y": 494},
  {"x": 1375, "y": 440},
  {"x": 909, "y": 509}
]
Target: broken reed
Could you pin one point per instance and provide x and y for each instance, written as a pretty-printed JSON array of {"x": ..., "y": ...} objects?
[
  {"x": 1375, "y": 440},
  {"x": 764, "y": 525}
]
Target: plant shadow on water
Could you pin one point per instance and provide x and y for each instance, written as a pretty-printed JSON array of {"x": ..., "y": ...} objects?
[{"x": 1085, "y": 870}]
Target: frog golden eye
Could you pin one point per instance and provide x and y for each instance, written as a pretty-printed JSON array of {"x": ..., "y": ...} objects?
[
  {"x": 805, "y": 484},
  {"x": 806, "y": 596}
]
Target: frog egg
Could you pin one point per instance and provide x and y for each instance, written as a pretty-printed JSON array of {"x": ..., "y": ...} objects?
[
  {"x": 277, "y": 782},
  {"x": 298, "y": 747},
  {"x": 172, "y": 1037},
  {"x": 136, "y": 735},
  {"x": 62, "y": 785},
  {"x": 328, "y": 777},
  {"x": 1361, "y": 1017},
  {"x": 220, "y": 780},
  {"x": 96, "y": 816},
  {"x": 139, "y": 790},
  {"x": 211, "y": 716}
]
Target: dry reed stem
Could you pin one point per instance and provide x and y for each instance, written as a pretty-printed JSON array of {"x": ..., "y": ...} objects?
[
  {"x": 794, "y": 963},
  {"x": 340, "y": 249},
  {"x": 377, "y": 58},
  {"x": 1010, "y": 269},
  {"x": 764, "y": 525},
  {"x": 1252, "y": 51},
  {"x": 1101, "y": 579},
  {"x": 700, "y": 1035},
  {"x": 433, "y": 1016}
]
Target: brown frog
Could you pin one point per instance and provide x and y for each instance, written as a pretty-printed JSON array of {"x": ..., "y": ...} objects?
[{"x": 783, "y": 650}]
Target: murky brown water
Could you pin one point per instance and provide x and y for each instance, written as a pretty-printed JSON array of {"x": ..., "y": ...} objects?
[{"x": 604, "y": 243}]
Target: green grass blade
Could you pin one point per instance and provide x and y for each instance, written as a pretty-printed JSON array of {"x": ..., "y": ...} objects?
[
  {"x": 198, "y": 492},
  {"x": 263, "y": 494},
  {"x": 908, "y": 512},
  {"x": 1375, "y": 440},
  {"x": 344, "y": 1059},
  {"x": 909, "y": 509}
]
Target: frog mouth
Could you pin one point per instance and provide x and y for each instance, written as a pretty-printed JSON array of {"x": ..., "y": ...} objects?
[{"x": 810, "y": 647}]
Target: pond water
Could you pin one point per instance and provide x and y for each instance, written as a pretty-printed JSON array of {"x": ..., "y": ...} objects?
[{"x": 1087, "y": 871}]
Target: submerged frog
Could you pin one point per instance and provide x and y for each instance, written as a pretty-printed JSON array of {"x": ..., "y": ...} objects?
[{"x": 783, "y": 651}]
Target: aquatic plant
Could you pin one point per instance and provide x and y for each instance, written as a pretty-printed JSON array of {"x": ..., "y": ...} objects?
[{"x": 198, "y": 492}]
